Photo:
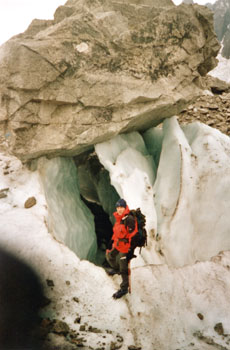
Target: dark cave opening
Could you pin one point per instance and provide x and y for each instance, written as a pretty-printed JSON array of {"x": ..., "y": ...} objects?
[
  {"x": 99, "y": 196},
  {"x": 103, "y": 226}
]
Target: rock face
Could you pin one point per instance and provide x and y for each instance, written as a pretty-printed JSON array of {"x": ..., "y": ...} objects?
[{"x": 98, "y": 69}]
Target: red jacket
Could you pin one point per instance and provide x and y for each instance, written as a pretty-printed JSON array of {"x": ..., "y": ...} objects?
[{"x": 121, "y": 235}]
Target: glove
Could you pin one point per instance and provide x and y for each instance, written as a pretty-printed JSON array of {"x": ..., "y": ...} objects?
[{"x": 130, "y": 255}]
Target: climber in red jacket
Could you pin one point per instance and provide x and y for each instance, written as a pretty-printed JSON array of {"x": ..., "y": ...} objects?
[{"x": 124, "y": 229}]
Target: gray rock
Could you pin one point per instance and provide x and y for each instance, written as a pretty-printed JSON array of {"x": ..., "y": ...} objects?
[
  {"x": 101, "y": 68},
  {"x": 216, "y": 85}
]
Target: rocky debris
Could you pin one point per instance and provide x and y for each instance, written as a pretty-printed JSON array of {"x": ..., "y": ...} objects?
[
  {"x": 59, "y": 342},
  {"x": 3, "y": 192},
  {"x": 50, "y": 283},
  {"x": 56, "y": 334},
  {"x": 6, "y": 169},
  {"x": 30, "y": 202},
  {"x": 98, "y": 69},
  {"x": 211, "y": 110},
  {"x": 114, "y": 346},
  {"x": 60, "y": 327},
  {"x": 76, "y": 299},
  {"x": 200, "y": 316},
  {"x": 215, "y": 85},
  {"x": 77, "y": 319},
  {"x": 94, "y": 329},
  {"x": 219, "y": 328},
  {"x": 222, "y": 343}
]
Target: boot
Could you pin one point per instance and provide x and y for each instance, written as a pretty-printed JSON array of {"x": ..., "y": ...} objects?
[
  {"x": 120, "y": 293},
  {"x": 112, "y": 272}
]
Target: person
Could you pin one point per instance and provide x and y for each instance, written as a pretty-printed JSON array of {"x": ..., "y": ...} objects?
[{"x": 121, "y": 252}]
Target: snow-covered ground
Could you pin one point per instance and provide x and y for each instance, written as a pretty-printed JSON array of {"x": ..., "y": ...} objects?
[{"x": 169, "y": 308}]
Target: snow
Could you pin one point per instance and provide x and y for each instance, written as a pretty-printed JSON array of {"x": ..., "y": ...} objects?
[
  {"x": 222, "y": 70},
  {"x": 162, "y": 310}
]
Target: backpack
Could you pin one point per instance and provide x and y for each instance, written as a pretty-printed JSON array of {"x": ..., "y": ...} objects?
[{"x": 140, "y": 238}]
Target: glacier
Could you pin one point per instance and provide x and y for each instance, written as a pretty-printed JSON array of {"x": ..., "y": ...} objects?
[
  {"x": 132, "y": 172},
  {"x": 69, "y": 218},
  {"x": 95, "y": 186},
  {"x": 221, "y": 71},
  {"x": 172, "y": 306},
  {"x": 179, "y": 177},
  {"x": 191, "y": 192}
]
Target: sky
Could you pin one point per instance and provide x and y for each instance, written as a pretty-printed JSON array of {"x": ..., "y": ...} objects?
[{"x": 16, "y": 15}]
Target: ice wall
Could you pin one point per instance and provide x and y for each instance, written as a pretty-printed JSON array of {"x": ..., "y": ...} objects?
[
  {"x": 153, "y": 139},
  {"x": 95, "y": 186},
  {"x": 192, "y": 193},
  {"x": 187, "y": 206},
  {"x": 69, "y": 218},
  {"x": 132, "y": 173},
  {"x": 178, "y": 176}
]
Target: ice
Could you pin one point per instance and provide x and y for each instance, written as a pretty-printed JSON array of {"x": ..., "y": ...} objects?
[
  {"x": 186, "y": 207},
  {"x": 172, "y": 194},
  {"x": 132, "y": 174},
  {"x": 164, "y": 309},
  {"x": 153, "y": 140},
  {"x": 69, "y": 218},
  {"x": 222, "y": 70},
  {"x": 95, "y": 186},
  {"x": 192, "y": 193}
]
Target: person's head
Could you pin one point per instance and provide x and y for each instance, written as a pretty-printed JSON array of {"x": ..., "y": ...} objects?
[{"x": 120, "y": 206}]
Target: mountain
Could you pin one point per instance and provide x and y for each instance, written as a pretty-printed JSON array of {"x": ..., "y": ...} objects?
[{"x": 221, "y": 9}]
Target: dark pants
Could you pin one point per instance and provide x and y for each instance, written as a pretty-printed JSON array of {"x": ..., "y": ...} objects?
[{"x": 118, "y": 261}]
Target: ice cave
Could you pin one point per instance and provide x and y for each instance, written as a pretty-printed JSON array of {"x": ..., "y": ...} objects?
[{"x": 172, "y": 172}]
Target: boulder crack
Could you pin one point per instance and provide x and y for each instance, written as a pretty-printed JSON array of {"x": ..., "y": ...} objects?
[{"x": 44, "y": 58}]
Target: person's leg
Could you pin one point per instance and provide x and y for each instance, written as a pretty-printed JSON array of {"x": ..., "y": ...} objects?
[
  {"x": 112, "y": 258},
  {"x": 123, "y": 267}
]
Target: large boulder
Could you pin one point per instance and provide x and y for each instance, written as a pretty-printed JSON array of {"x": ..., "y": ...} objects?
[{"x": 98, "y": 69}]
